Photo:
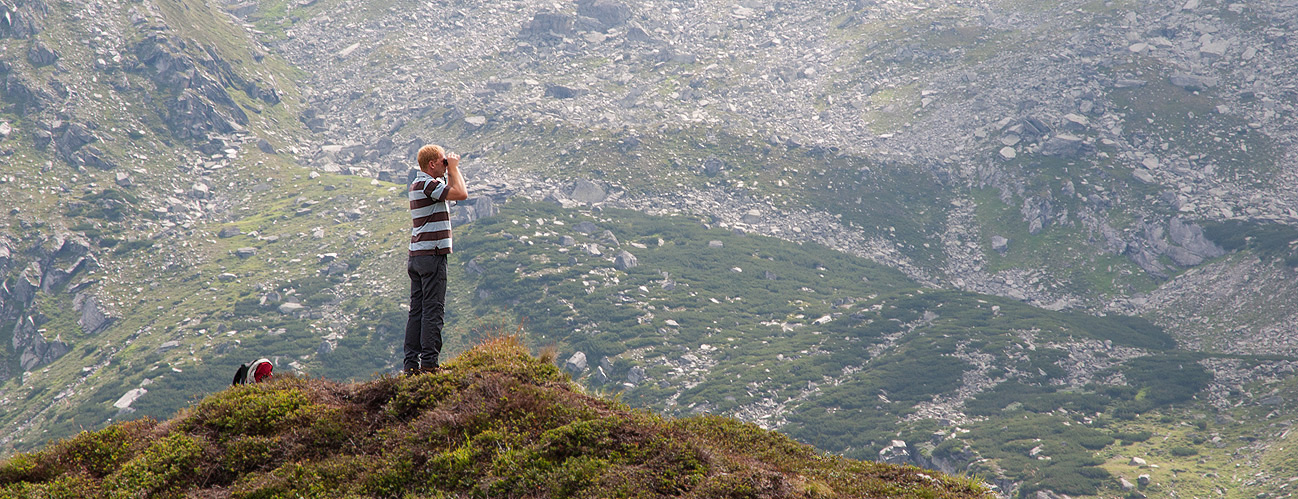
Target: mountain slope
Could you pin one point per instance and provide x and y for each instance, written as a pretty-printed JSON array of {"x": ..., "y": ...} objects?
[{"x": 498, "y": 422}]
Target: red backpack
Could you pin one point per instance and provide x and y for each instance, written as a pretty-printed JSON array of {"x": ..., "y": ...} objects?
[{"x": 260, "y": 371}]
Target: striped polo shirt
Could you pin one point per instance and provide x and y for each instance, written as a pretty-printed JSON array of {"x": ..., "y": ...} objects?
[{"x": 430, "y": 216}]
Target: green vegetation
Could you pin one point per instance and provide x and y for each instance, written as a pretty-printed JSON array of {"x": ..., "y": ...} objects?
[
  {"x": 498, "y": 422},
  {"x": 1267, "y": 240}
]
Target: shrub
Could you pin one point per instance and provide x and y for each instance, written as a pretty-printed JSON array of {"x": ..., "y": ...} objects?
[{"x": 162, "y": 467}]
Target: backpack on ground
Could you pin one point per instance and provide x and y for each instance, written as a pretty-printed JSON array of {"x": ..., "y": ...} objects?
[{"x": 256, "y": 372}]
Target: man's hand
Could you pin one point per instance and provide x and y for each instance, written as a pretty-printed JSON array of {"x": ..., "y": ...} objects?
[{"x": 455, "y": 190}]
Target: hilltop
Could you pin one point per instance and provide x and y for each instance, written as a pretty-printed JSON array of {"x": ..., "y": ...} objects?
[{"x": 497, "y": 422}]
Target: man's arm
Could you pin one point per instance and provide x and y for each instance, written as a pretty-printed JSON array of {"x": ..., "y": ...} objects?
[{"x": 455, "y": 190}]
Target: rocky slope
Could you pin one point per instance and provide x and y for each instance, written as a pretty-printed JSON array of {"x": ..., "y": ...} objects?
[{"x": 1081, "y": 157}]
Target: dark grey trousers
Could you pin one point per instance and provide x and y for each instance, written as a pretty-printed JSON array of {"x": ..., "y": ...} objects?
[{"x": 427, "y": 305}]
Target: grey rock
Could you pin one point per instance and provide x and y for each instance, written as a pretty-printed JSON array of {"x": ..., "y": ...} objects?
[
  {"x": 585, "y": 191},
  {"x": 625, "y": 260},
  {"x": 27, "y": 96},
  {"x": 585, "y": 227},
  {"x": 752, "y": 216},
  {"x": 226, "y": 277},
  {"x": 474, "y": 209},
  {"x": 576, "y": 364},
  {"x": 474, "y": 267},
  {"x": 566, "y": 240},
  {"x": 1000, "y": 244},
  {"x": 895, "y": 453},
  {"x": 548, "y": 26},
  {"x": 1126, "y": 484},
  {"x": 1143, "y": 480},
  {"x": 326, "y": 347},
  {"x": 294, "y": 309},
  {"x": 41, "y": 54},
  {"x": 93, "y": 157},
  {"x": 336, "y": 267},
  {"x": 1190, "y": 236},
  {"x": 168, "y": 346},
  {"x": 563, "y": 92},
  {"x": 1192, "y": 82},
  {"x": 1065, "y": 145},
  {"x": 199, "y": 191},
  {"x": 227, "y": 232},
  {"x": 713, "y": 166},
  {"x": 264, "y": 146},
  {"x": 716, "y": 244},
  {"x": 608, "y": 238},
  {"x": 122, "y": 179},
  {"x": 245, "y": 252},
  {"x": 609, "y": 13},
  {"x": 635, "y": 375},
  {"x": 94, "y": 317},
  {"x": 33, "y": 349},
  {"x": 1183, "y": 257}
]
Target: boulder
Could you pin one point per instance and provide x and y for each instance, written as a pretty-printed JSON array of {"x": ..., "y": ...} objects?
[
  {"x": 1065, "y": 145},
  {"x": 585, "y": 191},
  {"x": 1000, "y": 244},
  {"x": 585, "y": 227},
  {"x": 33, "y": 349},
  {"x": 713, "y": 166},
  {"x": 124, "y": 402},
  {"x": 94, "y": 316},
  {"x": 635, "y": 375},
  {"x": 245, "y": 252},
  {"x": 609, "y": 13},
  {"x": 41, "y": 54},
  {"x": 563, "y": 92},
  {"x": 576, "y": 364},
  {"x": 625, "y": 260},
  {"x": 1136, "y": 461},
  {"x": 1190, "y": 236},
  {"x": 608, "y": 238},
  {"x": 549, "y": 26},
  {"x": 199, "y": 191},
  {"x": 752, "y": 216},
  {"x": 293, "y": 309},
  {"x": 474, "y": 267},
  {"x": 895, "y": 453},
  {"x": 1192, "y": 82},
  {"x": 229, "y": 232}
]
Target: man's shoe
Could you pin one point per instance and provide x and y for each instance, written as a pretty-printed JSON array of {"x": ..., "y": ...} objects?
[
  {"x": 430, "y": 370},
  {"x": 411, "y": 372}
]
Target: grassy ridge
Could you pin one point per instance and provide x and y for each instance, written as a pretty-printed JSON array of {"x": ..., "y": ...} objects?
[{"x": 499, "y": 422}]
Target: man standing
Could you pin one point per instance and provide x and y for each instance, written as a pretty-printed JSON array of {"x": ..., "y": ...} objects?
[{"x": 438, "y": 181}]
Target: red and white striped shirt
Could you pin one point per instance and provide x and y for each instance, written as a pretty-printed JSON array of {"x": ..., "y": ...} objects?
[{"x": 430, "y": 215}]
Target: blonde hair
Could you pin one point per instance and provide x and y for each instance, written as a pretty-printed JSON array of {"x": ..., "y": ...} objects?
[{"x": 428, "y": 154}]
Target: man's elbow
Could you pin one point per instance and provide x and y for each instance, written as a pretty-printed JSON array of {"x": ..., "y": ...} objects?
[{"x": 457, "y": 195}]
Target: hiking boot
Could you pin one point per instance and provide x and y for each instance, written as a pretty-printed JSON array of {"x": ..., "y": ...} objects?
[
  {"x": 431, "y": 370},
  {"x": 411, "y": 372}
]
